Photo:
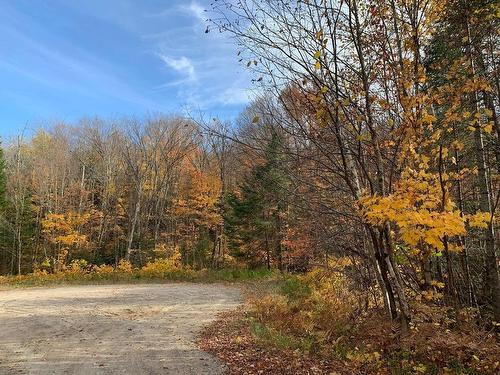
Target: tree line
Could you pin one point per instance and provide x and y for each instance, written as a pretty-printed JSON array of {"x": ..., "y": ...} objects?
[
  {"x": 386, "y": 112},
  {"x": 376, "y": 138}
]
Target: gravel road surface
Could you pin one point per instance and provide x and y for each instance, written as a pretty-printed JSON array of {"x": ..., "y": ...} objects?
[{"x": 110, "y": 329}]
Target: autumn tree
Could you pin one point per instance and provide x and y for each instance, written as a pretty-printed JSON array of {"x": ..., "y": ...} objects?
[
  {"x": 463, "y": 74},
  {"x": 330, "y": 106},
  {"x": 352, "y": 91},
  {"x": 4, "y": 230},
  {"x": 197, "y": 209}
]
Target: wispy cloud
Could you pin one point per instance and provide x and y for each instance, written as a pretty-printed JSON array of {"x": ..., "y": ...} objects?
[
  {"x": 206, "y": 61},
  {"x": 182, "y": 65},
  {"x": 197, "y": 11},
  {"x": 193, "y": 9},
  {"x": 50, "y": 60},
  {"x": 138, "y": 57},
  {"x": 234, "y": 95}
]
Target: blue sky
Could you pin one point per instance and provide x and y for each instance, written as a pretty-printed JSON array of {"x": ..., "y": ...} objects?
[{"x": 61, "y": 60}]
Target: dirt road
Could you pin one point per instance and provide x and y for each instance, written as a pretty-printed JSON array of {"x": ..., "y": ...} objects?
[{"x": 109, "y": 329}]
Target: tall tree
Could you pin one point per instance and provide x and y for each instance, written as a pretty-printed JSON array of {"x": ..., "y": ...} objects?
[{"x": 257, "y": 213}]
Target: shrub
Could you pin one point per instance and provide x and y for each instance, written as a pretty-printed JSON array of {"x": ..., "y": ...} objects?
[
  {"x": 295, "y": 289},
  {"x": 170, "y": 269},
  {"x": 159, "y": 268},
  {"x": 334, "y": 305},
  {"x": 104, "y": 271},
  {"x": 314, "y": 308},
  {"x": 124, "y": 266},
  {"x": 77, "y": 268}
]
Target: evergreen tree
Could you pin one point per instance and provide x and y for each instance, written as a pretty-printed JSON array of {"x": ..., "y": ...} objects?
[
  {"x": 459, "y": 63},
  {"x": 255, "y": 216}
]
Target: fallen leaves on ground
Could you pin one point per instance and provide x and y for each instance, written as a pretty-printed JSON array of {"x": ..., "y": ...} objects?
[{"x": 229, "y": 338}]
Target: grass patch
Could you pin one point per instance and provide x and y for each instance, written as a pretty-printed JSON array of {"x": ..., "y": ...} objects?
[
  {"x": 295, "y": 289},
  {"x": 272, "y": 337}
]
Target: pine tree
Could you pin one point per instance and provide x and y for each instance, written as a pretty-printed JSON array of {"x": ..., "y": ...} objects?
[{"x": 255, "y": 216}]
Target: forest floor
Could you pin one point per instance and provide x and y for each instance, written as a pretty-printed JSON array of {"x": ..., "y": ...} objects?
[{"x": 110, "y": 329}]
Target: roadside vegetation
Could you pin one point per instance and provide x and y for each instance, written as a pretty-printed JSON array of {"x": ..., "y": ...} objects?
[
  {"x": 359, "y": 190},
  {"x": 79, "y": 271},
  {"x": 316, "y": 323}
]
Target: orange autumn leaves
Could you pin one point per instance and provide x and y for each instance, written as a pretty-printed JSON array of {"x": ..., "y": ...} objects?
[{"x": 199, "y": 195}]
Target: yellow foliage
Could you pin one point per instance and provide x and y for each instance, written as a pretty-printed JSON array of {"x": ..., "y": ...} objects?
[
  {"x": 160, "y": 268},
  {"x": 124, "y": 266},
  {"x": 64, "y": 229},
  {"x": 479, "y": 219},
  {"x": 363, "y": 358},
  {"x": 60, "y": 262},
  {"x": 318, "y": 304},
  {"x": 430, "y": 295},
  {"x": 199, "y": 196},
  {"x": 39, "y": 273},
  {"x": 76, "y": 270},
  {"x": 437, "y": 284},
  {"x": 104, "y": 270},
  {"x": 418, "y": 210}
]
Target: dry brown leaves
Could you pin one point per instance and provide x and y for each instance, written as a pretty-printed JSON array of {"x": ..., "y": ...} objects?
[{"x": 229, "y": 338}]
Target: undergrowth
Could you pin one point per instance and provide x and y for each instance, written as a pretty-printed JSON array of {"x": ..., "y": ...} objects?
[
  {"x": 80, "y": 272},
  {"x": 320, "y": 314}
]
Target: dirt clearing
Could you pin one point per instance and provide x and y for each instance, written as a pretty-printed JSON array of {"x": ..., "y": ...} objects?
[{"x": 110, "y": 329}]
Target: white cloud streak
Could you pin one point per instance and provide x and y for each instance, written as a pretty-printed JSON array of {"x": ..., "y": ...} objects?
[
  {"x": 206, "y": 62},
  {"x": 182, "y": 65},
  {"x": 197, "y": 11}
]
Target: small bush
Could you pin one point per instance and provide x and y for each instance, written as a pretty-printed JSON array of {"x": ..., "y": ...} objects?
[
  {"x": 295, "y": 289},
  {"x": 104, "y": 271},
  {"x": 77, "y": 269},
  {"x": 124, "y": 266},
  {"x": 160, "y": 268}
]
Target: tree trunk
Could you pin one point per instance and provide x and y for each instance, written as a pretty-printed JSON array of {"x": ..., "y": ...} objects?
[
  {"x": 133, "y": 225},
  {"x": 493, "y": 279}
]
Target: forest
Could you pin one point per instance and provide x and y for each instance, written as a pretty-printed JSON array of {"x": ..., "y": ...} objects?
[{"x": 367, "y": 169}]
